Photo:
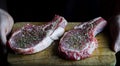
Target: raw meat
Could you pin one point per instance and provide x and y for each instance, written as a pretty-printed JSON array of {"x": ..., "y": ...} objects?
[
  {"x": 80, "y": 42},
  {"x": 31, "y": 38}
]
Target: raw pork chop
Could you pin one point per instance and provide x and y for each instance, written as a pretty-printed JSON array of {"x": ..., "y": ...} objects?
[
  {"x": 80, "y": 42},
  {"x": 31, "y": 38}
]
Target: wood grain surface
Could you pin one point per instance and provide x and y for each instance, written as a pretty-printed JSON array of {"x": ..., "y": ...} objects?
[{"x": 102, "y": 56}]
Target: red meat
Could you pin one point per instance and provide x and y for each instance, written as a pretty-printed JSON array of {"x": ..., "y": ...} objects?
[
  {"x": 80, "y": 42},
  {"x": 31, "y": 38}
]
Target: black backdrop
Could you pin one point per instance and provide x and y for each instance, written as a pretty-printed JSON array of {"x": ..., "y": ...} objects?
[{"x": 72, "y": 10}]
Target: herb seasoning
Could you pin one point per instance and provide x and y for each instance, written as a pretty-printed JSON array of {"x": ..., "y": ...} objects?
[
  {"x": 78, "y": 37},
  {"x": 29, "y": 36}
]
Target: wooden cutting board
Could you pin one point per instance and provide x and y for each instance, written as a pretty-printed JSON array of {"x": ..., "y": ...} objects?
[{"x": 103, "y": 55}]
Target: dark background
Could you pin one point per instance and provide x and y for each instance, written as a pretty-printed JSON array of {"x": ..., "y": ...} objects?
[{"x": 72, "y": 10}]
